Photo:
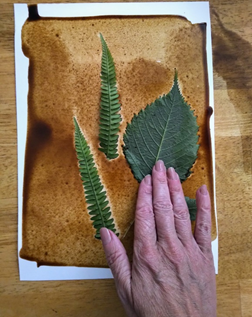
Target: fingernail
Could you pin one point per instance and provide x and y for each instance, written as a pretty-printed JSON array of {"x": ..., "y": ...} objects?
[
  {"x": 172, "y": 174},
  {"x": 105, "y": 236},
  {"x": 147, "y": 180},
  {"x": 203, "y": 190},
  {"x": 159, "y": 166}
]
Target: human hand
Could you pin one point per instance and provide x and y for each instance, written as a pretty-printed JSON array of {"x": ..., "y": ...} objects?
[{"x": 172, "y": 273}]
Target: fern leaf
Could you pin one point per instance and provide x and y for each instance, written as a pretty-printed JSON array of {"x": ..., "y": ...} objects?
[
  {"x": 109, "y": 105},
  {"x": 165, "y": 130},
  {"x": 95, "y": 194},
  {"x": 192, "y": 207}
]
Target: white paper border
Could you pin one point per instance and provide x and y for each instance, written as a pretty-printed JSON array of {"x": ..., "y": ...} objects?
[{"x": 196, "y": 12}]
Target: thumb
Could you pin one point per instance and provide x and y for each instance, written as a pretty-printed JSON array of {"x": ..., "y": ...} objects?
[{"x": 118, "y": 262}]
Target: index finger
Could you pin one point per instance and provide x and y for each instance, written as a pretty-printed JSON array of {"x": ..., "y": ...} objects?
[
  {"x": 144, "y": 230},
  {"x": 163, "y": 209}
]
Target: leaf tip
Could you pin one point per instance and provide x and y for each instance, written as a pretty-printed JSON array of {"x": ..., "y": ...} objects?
[
  {"x": 75, "y": 122},
  {"x": 176, "y": 82},
  {"x": 176, "y": 75}
]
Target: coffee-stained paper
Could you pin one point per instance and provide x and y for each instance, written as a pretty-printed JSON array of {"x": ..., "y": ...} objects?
[{"x": 64, "y": 81}]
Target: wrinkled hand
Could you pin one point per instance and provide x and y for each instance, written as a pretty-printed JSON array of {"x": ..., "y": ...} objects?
[{"x": 172, "y": 273}]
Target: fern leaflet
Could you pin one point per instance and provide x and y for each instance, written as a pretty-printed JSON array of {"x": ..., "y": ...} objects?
[{"x": 192, "y": 207}]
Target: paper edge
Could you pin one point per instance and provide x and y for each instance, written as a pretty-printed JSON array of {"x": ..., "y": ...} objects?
[
  {"x": 140, "y": 8},
  {"x": 190, "y": 10},
  {"x": 215, "y": 243}
]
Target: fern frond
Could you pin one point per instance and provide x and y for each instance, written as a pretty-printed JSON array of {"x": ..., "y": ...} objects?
[
  {"x": 95, "y": 194},
  {"x": 109, "y": 105}
]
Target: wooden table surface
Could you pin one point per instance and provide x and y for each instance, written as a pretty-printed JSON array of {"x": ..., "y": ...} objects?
[{"x": 232, "y": 59}]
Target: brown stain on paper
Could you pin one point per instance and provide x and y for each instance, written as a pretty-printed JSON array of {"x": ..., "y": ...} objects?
[{"x": 64, "y": 81}]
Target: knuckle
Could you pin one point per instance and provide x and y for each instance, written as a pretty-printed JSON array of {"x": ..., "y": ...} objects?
[
  {"x": 161, "y": 178},
  {"x": 147, "y": 189},
  {"x": 175, "y": 187},
  {"x": 181, "y": 213},
  {"x": 204, "y": 228},
  {"x": 178, "y": 260},
  {"x": 147, "y": 254},
  {"x": 146, "y": 257},
  {"x": 205, "y": 209},
  {"x": 145, "y": 216},
  {"x": 122, "y": 295},
  {"x": 208, "y": 251},
  {"x": 175, "y": 253},
  {"x": 122, "y": 291},
  {"x": 114, "y": 258},
  {"x": 146, "y": 225},
  {"x": 162, "y": 205},
  {"x": 143, "y": 210}
]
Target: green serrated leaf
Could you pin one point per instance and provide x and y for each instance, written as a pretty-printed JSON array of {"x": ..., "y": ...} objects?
[
  {"x": 165, "y": 130},
  {"x": 192, "y": 207},
  {"x": 109, "y": 105},
  {"x": 96, "y": 198}
]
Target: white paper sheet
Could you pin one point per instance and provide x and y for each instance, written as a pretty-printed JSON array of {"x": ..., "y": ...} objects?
[{"x": 196, "y": 12}]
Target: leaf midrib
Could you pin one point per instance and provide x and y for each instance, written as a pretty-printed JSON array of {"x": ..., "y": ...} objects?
[
  {"x": 165, "y": 129},
  {"x": 109, "y": 100}
]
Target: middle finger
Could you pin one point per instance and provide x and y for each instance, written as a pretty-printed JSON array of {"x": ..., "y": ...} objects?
[
  {"x": 163, "y": 209},
  {"x": 180, "y": 209}
]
